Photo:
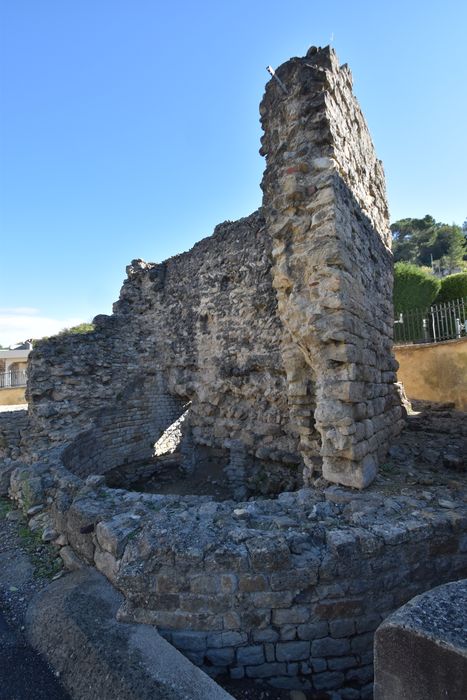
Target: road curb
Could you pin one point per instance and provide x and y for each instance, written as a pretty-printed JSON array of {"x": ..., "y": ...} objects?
[{"x": 72, "y": 623}]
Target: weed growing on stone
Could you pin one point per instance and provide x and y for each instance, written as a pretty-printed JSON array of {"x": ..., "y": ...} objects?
[
  {"x": 388, "y": 468},
  {"x": 43, "y": 556},
  {"x": 5, "y": 507},
  {"x": 133, "y": 534}
]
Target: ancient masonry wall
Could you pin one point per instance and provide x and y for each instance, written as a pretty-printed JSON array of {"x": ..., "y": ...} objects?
[
  {"x": 199, "y": 330},
  {"x": 326, "y": 211},
  {"x": 287, "y": 590},
  {"x": 12, "y": 424},
  {"x": 272, "y": 339},
  {"x": 276, "y": 331}
]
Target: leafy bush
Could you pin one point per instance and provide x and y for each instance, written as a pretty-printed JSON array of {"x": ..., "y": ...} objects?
[
  {"x": 413, "y": 287},
  {"x": 81, "y": 328},
  {"x": 74, "y": 330},
  {"x": 453, "y": 287}
]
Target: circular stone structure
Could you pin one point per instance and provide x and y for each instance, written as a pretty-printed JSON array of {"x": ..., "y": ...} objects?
[{"x": 287, "y": 590}]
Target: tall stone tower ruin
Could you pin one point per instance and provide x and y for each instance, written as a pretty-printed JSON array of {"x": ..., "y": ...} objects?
[{"x": 326, "y": 213}]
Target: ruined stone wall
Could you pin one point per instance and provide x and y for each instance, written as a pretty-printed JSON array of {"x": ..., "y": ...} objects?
[
  {"x": 326, "y": 212},
  {"x": 277, "y": 330},
  {"x": 211, "y": 323},
  {"x": 73, "y": 378},
  {"x": 12, "y": 424},
  {"x": 199, "y": 329},
  {"x": 272, "y": 339},
  {"x": 288, "y": 590}
]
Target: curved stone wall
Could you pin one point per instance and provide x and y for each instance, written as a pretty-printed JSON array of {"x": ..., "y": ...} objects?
[
  {"x": 287, "y": 590},
  {"x": 126, "y": 431},
  {"x": 198, "y": 328}
]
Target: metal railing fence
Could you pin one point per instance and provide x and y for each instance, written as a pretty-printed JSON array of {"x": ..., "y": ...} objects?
[
  {"x": 13, "y": 378},
  {"x": 445, "y": 321}
]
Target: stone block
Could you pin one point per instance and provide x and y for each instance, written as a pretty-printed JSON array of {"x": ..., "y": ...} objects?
[
  {"x": 362, "y": 642},
  {"x": 267, "y": 555},
  {"x": 295, "y": 580},
  {"x": 342, "y": 628},
  {"x": 226, "y": 639},
  {"x": 361, "y": 675},
  {"x": 288, "y": 632},
  {"x": 250, "y": 655},
  {"x": 237, "y": 673},
  {"x": 331, "y": 610},
  {"x": 6, "y": 471},
  {"x": 342, "y": 663},
  {"x": 221, "y": 657},
  {"x": 266, "y": 670},
  {"x": 266, "y": 635},
  {"x": 205, "y": 584},
  {"x": 249, "y": 583},
  {"x": 330, "y": 647},
  {"x": 293, "y": 615},
  {"x": 271, "y": 599},
  {"x": 420, "y": 650},
  {"x": 328, "y": 680},
  {"x": 189, "y": 641},
  {"x": 292, "y": 651},
  {"x": 368, "y": 623},
  {"x": 314, "y": 630}
]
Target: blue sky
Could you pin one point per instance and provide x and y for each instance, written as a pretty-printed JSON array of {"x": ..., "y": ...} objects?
[{"x": 130, "y": 129}]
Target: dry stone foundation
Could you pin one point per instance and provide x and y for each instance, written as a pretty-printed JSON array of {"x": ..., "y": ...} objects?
[{"x": 264, "y": 357}]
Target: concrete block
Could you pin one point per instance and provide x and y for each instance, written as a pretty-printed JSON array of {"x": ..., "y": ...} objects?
[{"x": 421, "y": 650}]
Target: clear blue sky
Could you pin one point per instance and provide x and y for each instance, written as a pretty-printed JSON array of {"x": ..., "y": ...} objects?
[{"x": 130, "y": 128}]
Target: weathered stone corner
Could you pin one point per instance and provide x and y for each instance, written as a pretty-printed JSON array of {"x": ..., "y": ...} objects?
[{"x": 326, "y": 212}]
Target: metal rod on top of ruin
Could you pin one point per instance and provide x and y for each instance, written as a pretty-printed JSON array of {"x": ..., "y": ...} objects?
[{"x": 272, "y": 72}]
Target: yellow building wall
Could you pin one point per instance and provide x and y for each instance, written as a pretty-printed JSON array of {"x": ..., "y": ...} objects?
[
  {"x": 9, "y": 397},
  {"x": 435, "y": 371}
]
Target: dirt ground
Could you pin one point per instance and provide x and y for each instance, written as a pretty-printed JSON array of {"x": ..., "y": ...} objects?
[{"x": 431, "y": 451}]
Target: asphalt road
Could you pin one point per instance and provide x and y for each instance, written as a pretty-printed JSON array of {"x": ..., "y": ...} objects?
[{"x": 23, "y": 673}]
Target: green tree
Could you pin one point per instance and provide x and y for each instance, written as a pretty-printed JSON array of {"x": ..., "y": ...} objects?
[
  {"x": 464, "y": 231},
  {"x": 409, "y": 235},
  {"x": 424, "y": 241}
]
